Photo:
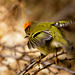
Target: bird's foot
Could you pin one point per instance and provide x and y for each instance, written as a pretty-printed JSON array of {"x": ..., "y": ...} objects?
[
  {"x": 56, "y": 61},
  {"x": 39, "y": 60}
]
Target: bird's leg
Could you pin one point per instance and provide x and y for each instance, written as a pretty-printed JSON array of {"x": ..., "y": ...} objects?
[
  {"x": 56, "y": 59},
  {"x": 38, "y": 63},
  {"x": 39, "y": 59}
]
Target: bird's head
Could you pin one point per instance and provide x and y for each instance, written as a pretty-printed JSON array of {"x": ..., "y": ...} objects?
[{"x": 27, "y": 26}]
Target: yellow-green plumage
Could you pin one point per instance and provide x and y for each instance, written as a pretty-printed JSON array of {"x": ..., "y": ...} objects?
[{"x": 47, "y": 37}]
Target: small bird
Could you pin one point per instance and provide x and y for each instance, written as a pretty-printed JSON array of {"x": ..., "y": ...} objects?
[{"x": 47, "y": 37}]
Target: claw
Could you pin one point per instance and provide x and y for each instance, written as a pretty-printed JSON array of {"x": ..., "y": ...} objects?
[{"x": 56, "y": 59}]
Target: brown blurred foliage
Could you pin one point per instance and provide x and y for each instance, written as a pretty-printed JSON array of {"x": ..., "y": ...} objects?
[{"x": 14, "y": 54}]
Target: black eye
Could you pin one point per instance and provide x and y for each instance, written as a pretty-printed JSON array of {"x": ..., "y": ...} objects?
[{"x": 27, "y": 29}]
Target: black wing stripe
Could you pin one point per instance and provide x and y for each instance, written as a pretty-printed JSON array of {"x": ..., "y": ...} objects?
[
  {"x": 39, "y": 39},
  {"x": 32, "y": 44},
  {"x": 29, "y": 45}
]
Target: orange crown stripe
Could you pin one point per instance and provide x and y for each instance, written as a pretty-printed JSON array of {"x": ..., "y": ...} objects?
[{"x": 27, "y": 24}]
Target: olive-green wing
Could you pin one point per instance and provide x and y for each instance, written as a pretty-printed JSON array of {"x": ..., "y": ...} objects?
[{"x": 39, "y": 39}]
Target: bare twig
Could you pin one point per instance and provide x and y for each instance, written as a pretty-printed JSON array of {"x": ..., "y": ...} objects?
[
  {"x": 28, "y": 68},
  {"x": 42, "y": 68},
  {"x": 57, "y": 67},
  {"x": 42, "y": 60},
  {"x": 48, "y": 68},
  {"x": 63, "y": 68}
]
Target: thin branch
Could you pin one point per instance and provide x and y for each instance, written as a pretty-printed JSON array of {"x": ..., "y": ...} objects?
[
  {"x": 63, "y": 68},
  {"x": 35, "y": 62},
  {"x": 27, "y": 69},
  {"x": 49, "y": 58},
  {"x": 42, "y": 68},
  {"x": 57, "y": 67},
  {"x": 49, "y": 69}
]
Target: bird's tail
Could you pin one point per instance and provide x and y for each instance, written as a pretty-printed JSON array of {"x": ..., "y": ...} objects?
[
  {"x": 68, "y": 46},
  {"x": 70, "y": 49}
]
